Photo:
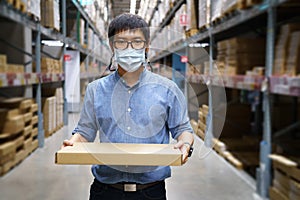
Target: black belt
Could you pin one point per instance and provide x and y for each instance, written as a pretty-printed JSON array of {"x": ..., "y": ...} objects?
[{"x": 132, "y": 187}]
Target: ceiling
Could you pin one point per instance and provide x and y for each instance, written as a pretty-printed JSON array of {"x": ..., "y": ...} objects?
[{"x": 122, "y": 6}]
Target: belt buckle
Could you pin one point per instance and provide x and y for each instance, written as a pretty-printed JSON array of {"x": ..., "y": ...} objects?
[{"x": 129, "y": 187}]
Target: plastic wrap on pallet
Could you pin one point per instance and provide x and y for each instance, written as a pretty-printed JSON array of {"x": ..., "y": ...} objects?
[
  {"x": 203, "y": 9},
  {"x": 34, "y": 8},
  {"x": 216, "y": 9},
  {"x": 192, "y": 14}
]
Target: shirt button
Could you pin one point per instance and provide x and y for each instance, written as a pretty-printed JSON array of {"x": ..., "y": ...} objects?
[
  {"x": 129, "y": 91},
  {"x": 128, "y": 109},
  {"x": 128, "y": 128}
]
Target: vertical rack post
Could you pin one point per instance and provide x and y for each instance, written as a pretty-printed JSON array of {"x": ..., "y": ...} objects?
[
  {"x": 86, "y": 32},
  {"x": 64, "y": 32},
  {"x": 209, "y": 134},
  {"x": 41, "y": 136},
  {"x": 266, "y": 144}
]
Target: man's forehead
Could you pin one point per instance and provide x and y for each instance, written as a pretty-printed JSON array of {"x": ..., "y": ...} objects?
[{"x": 130, "y": 33}]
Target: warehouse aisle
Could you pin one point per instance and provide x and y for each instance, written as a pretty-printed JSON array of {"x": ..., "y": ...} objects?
[{"x": 37, "y": 177}]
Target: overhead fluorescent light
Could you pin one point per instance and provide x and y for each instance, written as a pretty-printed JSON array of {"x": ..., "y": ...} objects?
[
  {"x": 132, "y": 6},
  {"x": 52, "y": 43},
  {"x": 197, "y": 45}
]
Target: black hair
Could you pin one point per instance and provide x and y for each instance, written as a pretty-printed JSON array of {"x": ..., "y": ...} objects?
[{"x": 127, "y": 21}]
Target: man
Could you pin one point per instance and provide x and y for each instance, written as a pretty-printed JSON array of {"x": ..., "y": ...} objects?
[{"x": 132, "y": 105}]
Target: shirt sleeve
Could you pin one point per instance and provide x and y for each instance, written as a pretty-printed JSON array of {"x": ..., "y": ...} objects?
[
  {"x": 178, "y": 120},
  {"x": 87, "y": 124}
]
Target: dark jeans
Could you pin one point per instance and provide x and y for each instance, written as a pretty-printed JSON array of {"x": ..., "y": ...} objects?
[{"x": 100, "y": 191}]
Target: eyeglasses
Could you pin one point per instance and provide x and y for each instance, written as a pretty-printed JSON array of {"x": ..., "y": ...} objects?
[{"x": 135, "y": 44}]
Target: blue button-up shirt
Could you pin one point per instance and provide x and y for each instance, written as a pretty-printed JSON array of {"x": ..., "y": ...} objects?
[{"x": 144, "y": 113}]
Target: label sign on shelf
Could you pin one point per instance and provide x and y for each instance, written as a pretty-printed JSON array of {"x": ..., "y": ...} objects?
[
  {"x": 184, "y": 59},
  {"x": 183, "y": 20},
  {"x": 67, "y": 57}
]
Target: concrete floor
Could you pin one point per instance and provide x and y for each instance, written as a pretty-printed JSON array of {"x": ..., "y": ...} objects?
[{"x": 37, "y": 177}]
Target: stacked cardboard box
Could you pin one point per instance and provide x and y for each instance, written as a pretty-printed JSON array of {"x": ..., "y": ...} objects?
[
  {"x": 49, "y": 113},
  {"x": 216, "y": 144},
  {"x": 192, "y": 15},
  {"x": 229, "y": 6},
  {"x": 241, "y": 55},
  {"x": 216, "y": 10},
  {"x": 293, "y": 59},
  {"x": 8, "y": 67},
  {"x": 286, "y": 181},
  {"x": 282, "y": 47},
  {"x": 59, "y": 107},
  {"x": 50, "y": 16},
  {"x": 3, "y": 63},
  {"x": 49, "y": 65},
  {"x": 20, "y": 5},
  {"x": 202, "y": 116},
  {"x": 34, "y": 8},
  {"x": 17, "y": 139},
  {"x": 204, "y": 13}
]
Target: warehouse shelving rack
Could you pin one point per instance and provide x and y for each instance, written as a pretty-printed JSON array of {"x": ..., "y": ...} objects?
[
  {"x": 263, "y": 15},
  {"x": 8, "y": 12}
]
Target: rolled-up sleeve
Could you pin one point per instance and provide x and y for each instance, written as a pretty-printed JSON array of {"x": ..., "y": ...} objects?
[
  {"x": 87, "y": 124},
  {"x": 178, "y": 120}
]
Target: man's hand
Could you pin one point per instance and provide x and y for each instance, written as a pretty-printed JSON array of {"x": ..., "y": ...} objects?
[
  {"x": 67, "y": 143},
  {"x": 75, "y": 138},
  {"x": 184, "y": 148}
]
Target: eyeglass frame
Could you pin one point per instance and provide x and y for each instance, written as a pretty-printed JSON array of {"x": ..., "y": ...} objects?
[{"x": 129, "y": 42}]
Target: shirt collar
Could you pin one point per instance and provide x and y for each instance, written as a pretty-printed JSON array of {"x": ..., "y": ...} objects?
[{"x": 141, "y": 78}]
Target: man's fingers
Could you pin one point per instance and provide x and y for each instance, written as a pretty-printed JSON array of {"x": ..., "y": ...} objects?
[
  {"x": 67, "y": 143},
  {"x": 178, "y": 144}
]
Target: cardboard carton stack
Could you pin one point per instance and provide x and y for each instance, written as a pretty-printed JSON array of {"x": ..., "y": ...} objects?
[
  {"x": 50, "y": 16},
  {"x": 34, "y": 8},
  {"x": 49, "y": 113},
  {"x": 16, "y": 137},
  {"x": 192, "y": 16},
  {"x": 8, "y": 67},
  {"x": 217, "y": 145},
  {"x": 232, "y": 5},
  {"x": 59, "y": 107},
  {"x": 216, "y": 10},
  {"x": 293, "y": 59},
  {"x": 204, "y": 14},
  {"x": 286, "y": 180},
  {"x": 49, "y": 65},
  {"x": 3, "y": 63},
  {"x": 202, "y": 115},
  {"x": 241, "y": 54},
  {"x": 282, "y": 47}
]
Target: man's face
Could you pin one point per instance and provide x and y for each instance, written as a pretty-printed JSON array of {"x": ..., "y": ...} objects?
[{"x": 130, "y": 35}]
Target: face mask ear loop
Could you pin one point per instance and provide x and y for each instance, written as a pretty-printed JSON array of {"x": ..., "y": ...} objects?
[
  {"x": 148, "y": 62},
  {"x": 110, "y": 64}
]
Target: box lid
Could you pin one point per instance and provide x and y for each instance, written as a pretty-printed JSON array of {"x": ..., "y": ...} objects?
[{"x": 120, "y": 154}]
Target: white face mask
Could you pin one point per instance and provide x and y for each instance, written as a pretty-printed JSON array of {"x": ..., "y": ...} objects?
[{"x": 130, "y": 59}]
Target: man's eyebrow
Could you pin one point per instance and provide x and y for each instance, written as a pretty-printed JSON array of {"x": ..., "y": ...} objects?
[{"x": 125, "y": 38}]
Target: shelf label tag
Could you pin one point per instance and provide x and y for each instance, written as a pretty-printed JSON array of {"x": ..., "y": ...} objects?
[{"x": 183, "y": 20}]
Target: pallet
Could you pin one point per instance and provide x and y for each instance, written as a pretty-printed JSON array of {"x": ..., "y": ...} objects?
[
  {"x": 286, "y": 166},
  {"x": 238, "y": 5},
  {"x": 232, "y": 160},
  {"x": 18, "y": 5},
  {"x": 251, "y": 3},
  {"x": 191, "y": 32},
  {"x": 203, "y": 28}
]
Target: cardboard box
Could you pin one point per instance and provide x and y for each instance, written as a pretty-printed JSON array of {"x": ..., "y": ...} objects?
[{"x": 120, "y": 154}]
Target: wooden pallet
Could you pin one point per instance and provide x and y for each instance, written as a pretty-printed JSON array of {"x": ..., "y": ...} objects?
[
  {"x": 250, "y": 3},
  {"x": 191, "y": 32},
  {"x": 286, "y": 166},
  {"x": 238, "y": 5},
  {"x": 18, "y": 5}
]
